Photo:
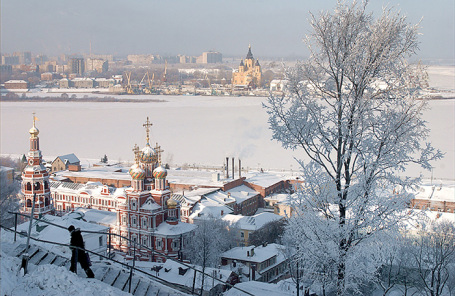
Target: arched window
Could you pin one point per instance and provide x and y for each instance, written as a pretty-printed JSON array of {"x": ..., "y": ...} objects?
[
  {"x": 28, "y": 186},
  {"x": 29, "y": 203},
  {"x": 37, "y": 186},
  {"x": 46, "y": 185},
  {"x": 46, "y": 202}
]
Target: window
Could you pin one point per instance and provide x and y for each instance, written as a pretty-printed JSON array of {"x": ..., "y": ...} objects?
[
  {"x": 242, "y": 234},
  {"x": 159, "y": 244},
  {"x": 144, "y": 223},
  {"x": 134, "y": 221},
  {"x": 124, "y": 219},
  {"x": 175, "y": 244},
  {"x": 100, "y": 241}
]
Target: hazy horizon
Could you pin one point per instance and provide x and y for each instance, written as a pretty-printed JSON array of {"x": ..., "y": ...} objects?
[{"x": 274, "y": 29}]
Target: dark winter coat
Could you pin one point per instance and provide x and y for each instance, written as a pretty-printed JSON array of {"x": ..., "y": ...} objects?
[{"x": 78, "y": 241}]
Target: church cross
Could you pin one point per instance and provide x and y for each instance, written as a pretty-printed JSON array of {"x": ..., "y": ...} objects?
[
  {"x": 147, "y": 126},
  {"x": 136, "y": 153},
  {"x": 158, "y": 152}
]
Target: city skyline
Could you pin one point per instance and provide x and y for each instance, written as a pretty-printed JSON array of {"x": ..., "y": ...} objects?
[{"x": 169, "y": 28}]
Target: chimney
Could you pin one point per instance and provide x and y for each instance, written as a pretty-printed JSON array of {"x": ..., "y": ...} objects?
[
  {"x": 233, "y": 177},
  {"x": 240, "y": 168},
  {"x": 227, "y": 167}
]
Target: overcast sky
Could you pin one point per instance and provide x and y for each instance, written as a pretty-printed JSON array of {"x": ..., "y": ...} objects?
[{"x": 273, "y": 28}]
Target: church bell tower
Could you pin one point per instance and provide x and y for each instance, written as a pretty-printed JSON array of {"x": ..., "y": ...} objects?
[{"x": 35, "y": 179}]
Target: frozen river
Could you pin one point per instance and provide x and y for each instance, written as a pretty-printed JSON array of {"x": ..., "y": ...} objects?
[{"x": 191, "y": 130}]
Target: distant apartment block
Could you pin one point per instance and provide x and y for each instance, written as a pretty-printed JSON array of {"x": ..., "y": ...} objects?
[
  {"x": 106, "y": 57},
  {"x": 76, "y": 66},
  {"x": 10, "y": 60},
  {"x": 183, "y": 59},
  {"x": 96, "y": 64},
  {"x": 39, "y": 59},
  {"x": 104, "y": 82},
  {"x": 25, "y": 57},
  {"x": 49, "y": 66},
  {"x": 142, "y": 59},
  {"x": 212, "y": 57},
  {"x": 83, "y": 82}
]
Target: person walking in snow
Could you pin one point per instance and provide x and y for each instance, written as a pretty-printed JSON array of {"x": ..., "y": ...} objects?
[{"x": 79, "y": 255}]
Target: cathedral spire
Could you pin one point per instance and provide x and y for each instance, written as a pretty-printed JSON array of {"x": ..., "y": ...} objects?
[{"x": 249, "y": 55}]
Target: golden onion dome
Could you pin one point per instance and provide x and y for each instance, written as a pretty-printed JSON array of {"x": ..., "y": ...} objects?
[
  {"x": 172, "y": 204},
  {"x": 33, "y": 131}
]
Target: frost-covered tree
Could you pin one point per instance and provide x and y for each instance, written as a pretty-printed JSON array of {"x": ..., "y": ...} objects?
[
  {"x": 204, "y": 247},
  {"x": 432, "y": 255},
  {"x": 269, "y": 233},
  {"x": 352, "y": 108}
]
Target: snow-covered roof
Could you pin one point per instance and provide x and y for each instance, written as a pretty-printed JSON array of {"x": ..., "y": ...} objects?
[
  {"x": 98, "y": 216},
  {"x": 104, "y": 79},
  {"x": 207, "y": 208},
  {"x": 221, "y": 197},
  {"x": 264, "y": 179},
  {"x": 278, "y": 197},
  {"x": 91, "y": 188},
  {"x": 258, "y": 288},
  {"x": 251, "y": 222},
  {"x": 15, "y": 81},
  {"x": 150, "y": 205},
  {"x": 420, "y": 218},
  {"x": 69, "y": 158},
  {"x": 167, "y": 229},
  {"x": 83, "y": 79},
  {"x": 196, "y": 178},
  {"x": 436, "y": 190},
  {"x": 114, "y": 173},
  {"x": 242, "y": 193},
  {"x": 193, "y": 196},
  {"x": 260, "y": 254}
]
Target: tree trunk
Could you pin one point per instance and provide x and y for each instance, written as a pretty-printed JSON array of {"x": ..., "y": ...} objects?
[{"x": 341, "y": 269}]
